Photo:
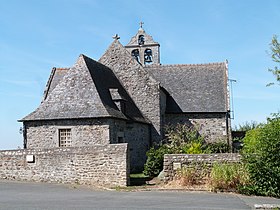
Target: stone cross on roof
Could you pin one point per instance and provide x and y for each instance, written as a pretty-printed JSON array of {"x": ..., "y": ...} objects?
[
  {"x": 141, "y": 24},
  {"x": 116, "y": 37}
]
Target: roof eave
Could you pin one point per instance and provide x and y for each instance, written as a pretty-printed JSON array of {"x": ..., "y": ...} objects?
[{"x": 80, "y": 118}]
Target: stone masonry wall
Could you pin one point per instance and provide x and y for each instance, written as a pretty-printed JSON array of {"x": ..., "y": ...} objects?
[
  {"x": 143, "y": 89},
  {"x": 163, "y": 99},
  {"x": 105, "y": 165},
  {"x": 84, "y": 132},
  {"x": 90, "y": 132},
  {"x": 172, "y": 162},
  {"x": 213, "y": 126},
  {"x": 137, "y": 135}
]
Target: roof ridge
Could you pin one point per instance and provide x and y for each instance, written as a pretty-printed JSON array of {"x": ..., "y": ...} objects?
[
  {"x": 62, "y": 68},
  {"x": 181, "y": 65}
]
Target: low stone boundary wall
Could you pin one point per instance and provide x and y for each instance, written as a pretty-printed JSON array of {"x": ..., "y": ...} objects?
[
  {"x": 172, "y": 162},
  {"x": 104, "y": 165}
]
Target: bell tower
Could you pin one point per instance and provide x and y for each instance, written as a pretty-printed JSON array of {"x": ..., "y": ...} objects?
[{"x": 143, "y": 48}]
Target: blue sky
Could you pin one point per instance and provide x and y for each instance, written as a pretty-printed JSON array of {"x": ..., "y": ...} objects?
[{"x": 38, "y": 35}]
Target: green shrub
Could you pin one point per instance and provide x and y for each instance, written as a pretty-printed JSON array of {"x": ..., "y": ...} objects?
[
  {"x": 228, "y": 176},
  {"x": 155, "y": 156},
  {"x": 251, "y": 141},
  {"x": 181, "y": 138},
  {"x": 194, "y": 147},
  {"x": 217, "y": 147},
  {"x": 154, "y": 163},
  {"x": 261, "y": 153}
]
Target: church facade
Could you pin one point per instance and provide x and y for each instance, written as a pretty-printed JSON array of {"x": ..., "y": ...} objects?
[{"x": 128, "y": 96}]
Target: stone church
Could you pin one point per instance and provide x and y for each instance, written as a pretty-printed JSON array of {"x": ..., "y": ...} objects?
[{"x": 128, "y": 96}]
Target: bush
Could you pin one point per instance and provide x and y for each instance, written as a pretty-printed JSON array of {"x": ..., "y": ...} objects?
[
  {"x": 217, "y": 147},
  {"x": 261, "y": 153},
  {"x": 194, "y": 147},
  {"x": 228, "y": 176},
  {"x": 181, "y": 138},
  {"x": 181, "y": 134},
  {"x": 155, "y": 156},
  {"x": 154, "y": 163}
]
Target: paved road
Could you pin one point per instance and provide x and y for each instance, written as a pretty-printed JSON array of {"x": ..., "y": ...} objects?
[{"x": 20, "y": 195}]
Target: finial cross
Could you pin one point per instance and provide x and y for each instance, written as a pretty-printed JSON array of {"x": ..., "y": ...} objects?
[
  {"x": 141, "y": 24},
  {"x": 116, "y": 37}
]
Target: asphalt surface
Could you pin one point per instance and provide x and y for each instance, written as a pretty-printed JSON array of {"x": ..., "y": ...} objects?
[{"x": 26, "y": 195}]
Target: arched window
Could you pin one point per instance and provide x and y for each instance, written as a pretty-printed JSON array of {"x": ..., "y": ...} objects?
[
  {"x": 148, "y": 56},
  {"x": 141, "y": 39},
  {"x": 135, "y": 54}
]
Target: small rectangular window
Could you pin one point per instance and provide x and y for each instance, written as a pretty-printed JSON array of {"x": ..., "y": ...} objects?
[{"x": 65, "y": 138}]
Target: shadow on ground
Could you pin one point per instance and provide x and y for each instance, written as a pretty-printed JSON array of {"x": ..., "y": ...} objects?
[{"x": 139, "y": 181}]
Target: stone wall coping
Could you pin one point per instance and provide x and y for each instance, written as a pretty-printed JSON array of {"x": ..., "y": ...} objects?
[
  {"x": 172, "y": 162},
  {"x": 60, "y": 149},
  {"x": 208, "y": 158},
  {"x": 214, "y": 155}
]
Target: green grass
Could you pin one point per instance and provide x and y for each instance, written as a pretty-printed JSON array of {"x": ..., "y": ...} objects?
[
  {"x": 137, "y": 176},
  {"x": 228, "y": 176},
  {"x": 138, "y": 179}
]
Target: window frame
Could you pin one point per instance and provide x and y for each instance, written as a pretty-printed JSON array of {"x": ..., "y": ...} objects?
[{"x": 67, "y": 134}]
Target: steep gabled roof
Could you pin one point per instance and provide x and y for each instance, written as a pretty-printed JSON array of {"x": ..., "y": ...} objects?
[
  {"x": 136, "y": 80},
  {"x": 105, "y": 80},
  {"x": 141, "y": 86},
  {"x": 127, "y": 69},
  {"x": 83, "y": 92},
  {"x": 56, "y": 75},
  {"x": 193, "y": 88}
]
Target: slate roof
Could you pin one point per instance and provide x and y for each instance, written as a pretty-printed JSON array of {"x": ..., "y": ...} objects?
[
  {"x": 83, "y": 92},
  {"x": 56, "y": 75},
  {"x": 193, "y": 88}
]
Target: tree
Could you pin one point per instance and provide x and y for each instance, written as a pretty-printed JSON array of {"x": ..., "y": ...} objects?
[
  {"x": 275, "y": 55},
  {"x": 262, "y": 157}
]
